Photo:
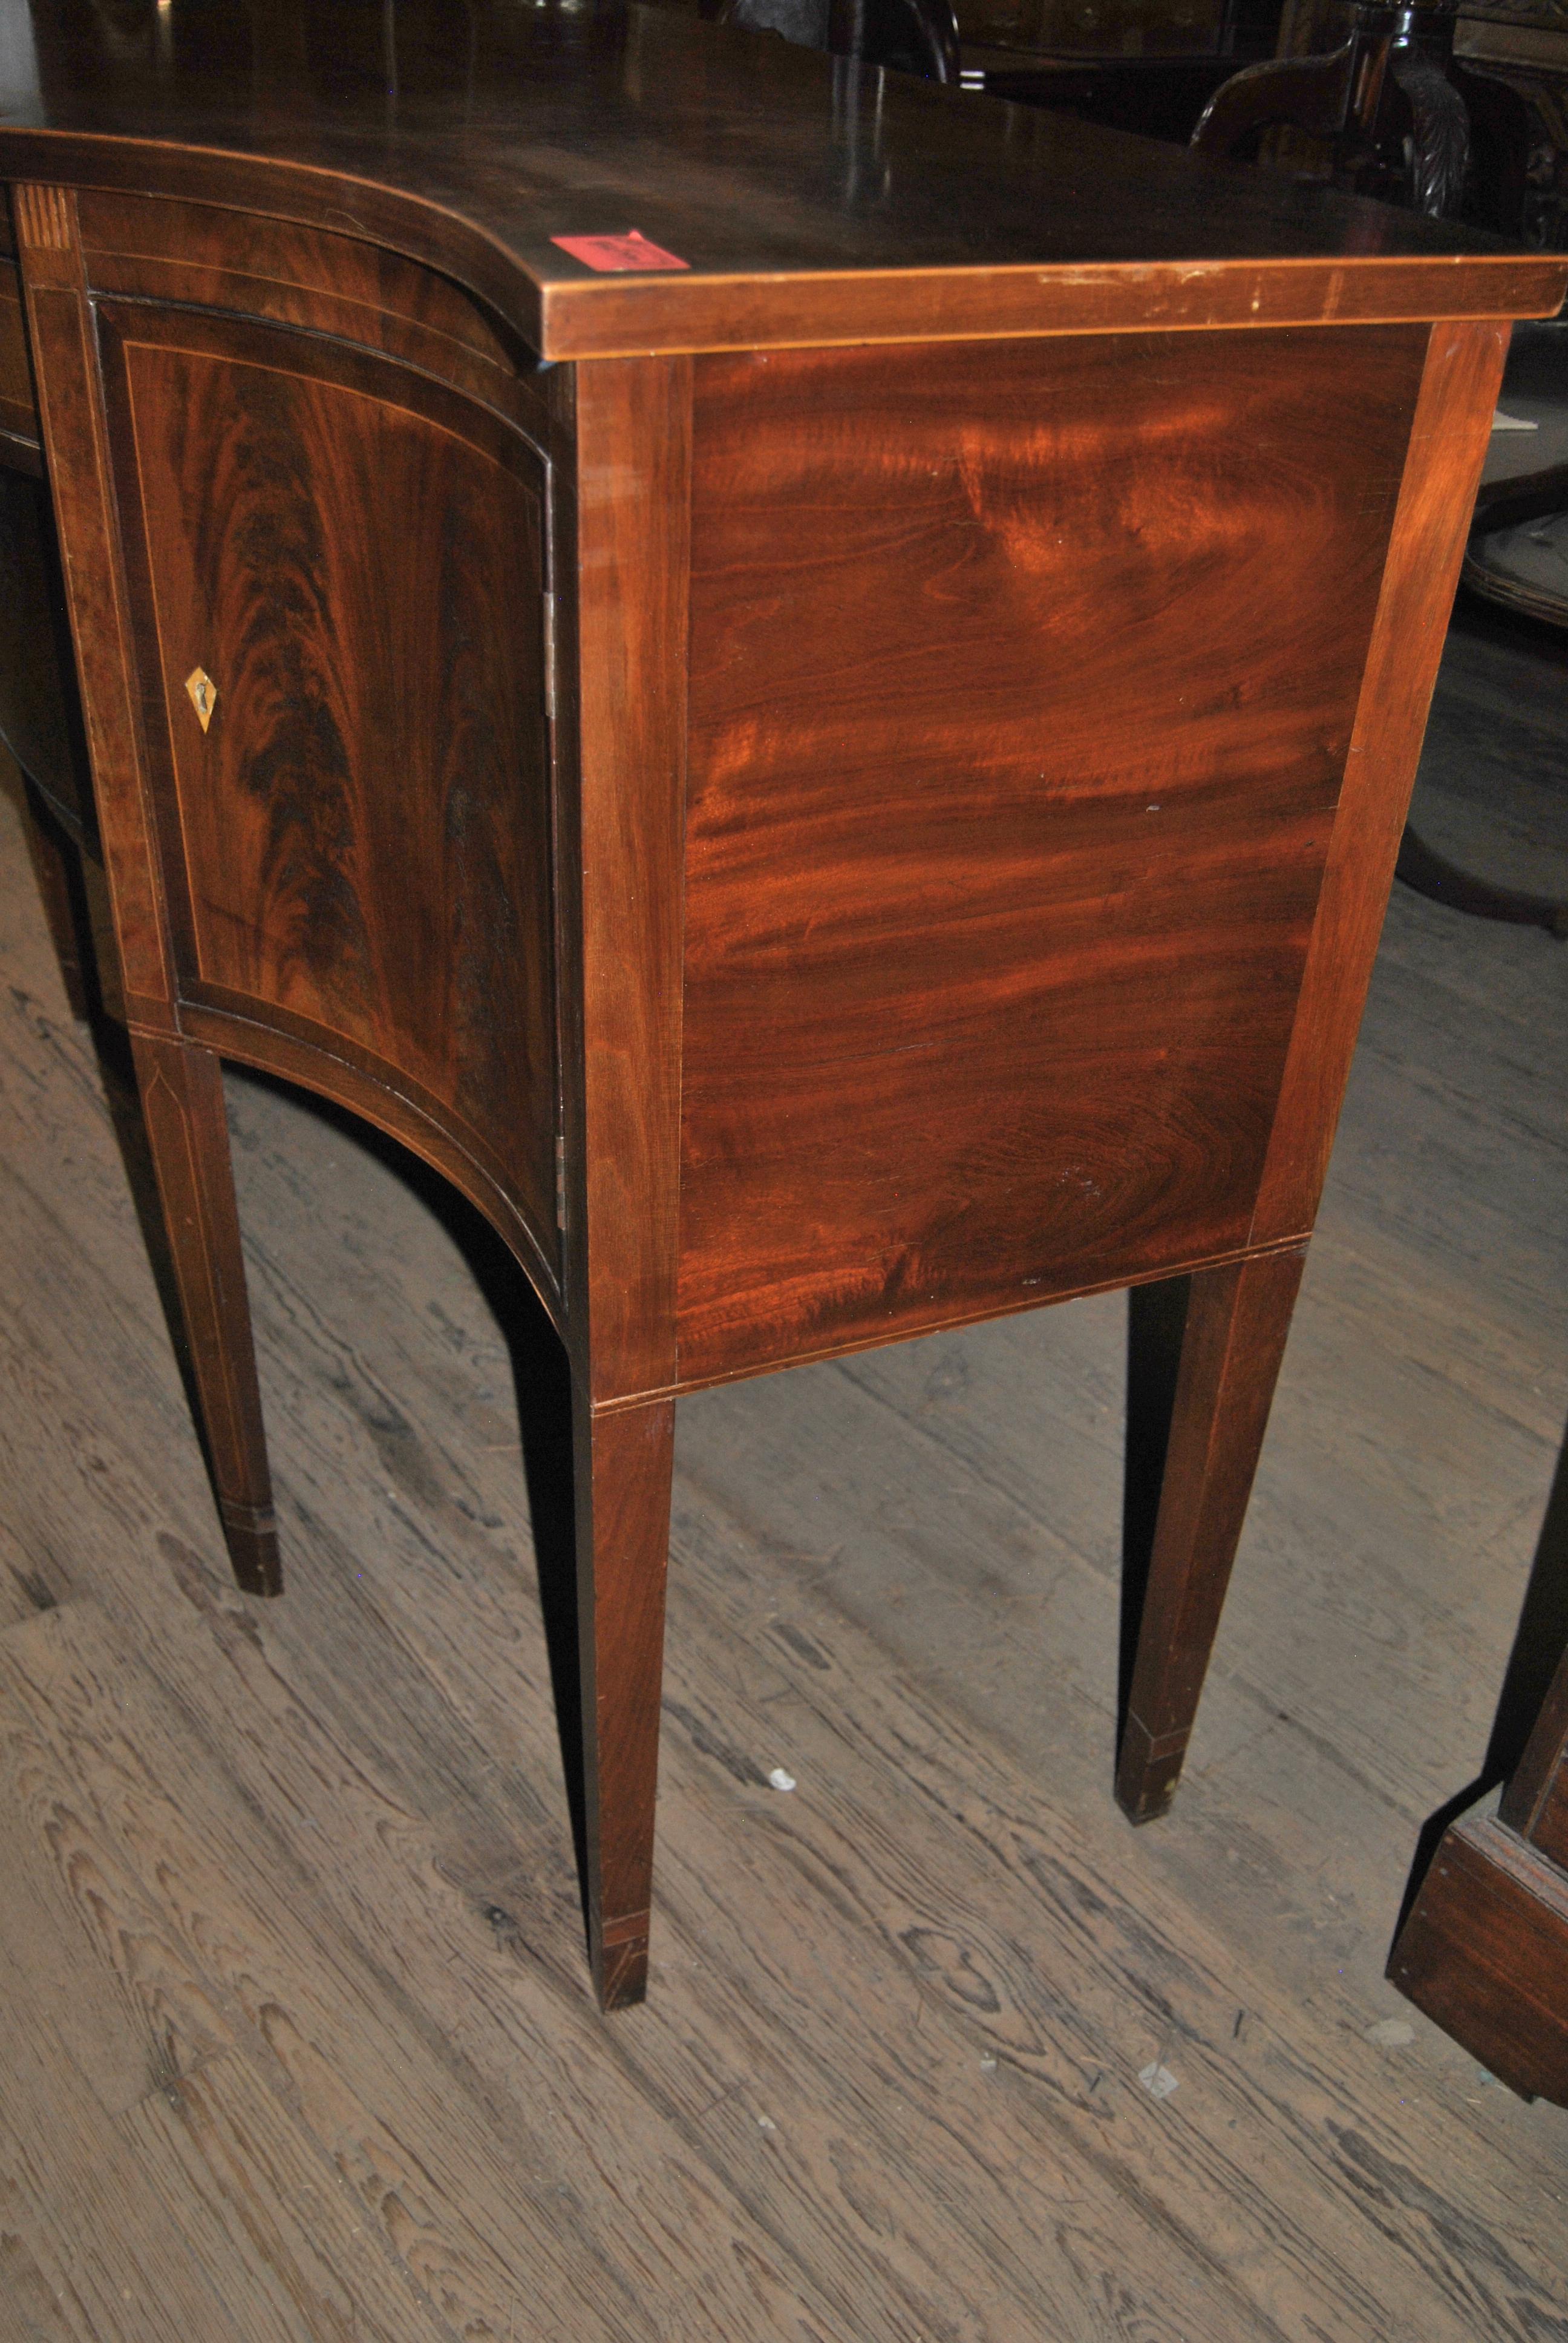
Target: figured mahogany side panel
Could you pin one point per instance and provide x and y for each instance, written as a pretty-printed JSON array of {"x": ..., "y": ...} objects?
[
  {"x": 1447, "y": 448},
  {"x": 1232, "y": 1342},
  {"x": 1023, "y": 677},
  {"x": 628, "y": 688},
  {"x": 341, "y": 566},
  {"x": 622, "y": 1474}
]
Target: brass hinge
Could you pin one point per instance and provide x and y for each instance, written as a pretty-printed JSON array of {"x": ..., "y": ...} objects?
[
  {"x": 550, "y": 601},
  {"x": 560, "y": 1183}
]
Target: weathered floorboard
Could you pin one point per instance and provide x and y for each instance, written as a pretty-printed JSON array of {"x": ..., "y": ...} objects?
[{"x": 303, "y": 2047}]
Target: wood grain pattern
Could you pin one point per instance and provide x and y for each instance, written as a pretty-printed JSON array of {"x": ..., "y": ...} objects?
[
  {"x": 617, "y": 317},
  {"x": 365, "y": 1815},
  {"x": 1447, "y": 447},
  {"x": 1012, "y": 775},
  {"x": 477, "y": 151},
  {"x": 134, "y": 2096},
  {"x": 961, "y": 970},
  {"x": 338, "y": 285},
  {"x": 628, "y": 678},
  {"x": 360, "y": 842}
]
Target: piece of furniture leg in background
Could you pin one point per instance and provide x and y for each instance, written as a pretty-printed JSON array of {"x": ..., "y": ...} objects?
[{"x": 1484, "y": 1949}]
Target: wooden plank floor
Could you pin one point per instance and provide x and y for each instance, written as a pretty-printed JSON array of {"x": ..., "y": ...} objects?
[{"x": 296, "y": 2045}]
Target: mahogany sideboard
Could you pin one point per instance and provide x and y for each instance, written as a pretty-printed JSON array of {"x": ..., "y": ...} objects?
[{"x": 837, "y": 780}]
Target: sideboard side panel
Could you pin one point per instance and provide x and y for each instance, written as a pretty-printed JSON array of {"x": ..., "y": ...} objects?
[{"x": 1023, "y": 678}]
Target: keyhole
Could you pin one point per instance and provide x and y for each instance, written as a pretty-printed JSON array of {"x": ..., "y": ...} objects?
[{"x": 203, "y": 693}]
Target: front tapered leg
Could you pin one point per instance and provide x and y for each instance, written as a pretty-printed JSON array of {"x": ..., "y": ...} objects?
[
  {"x": 1230, "y": 1343},
  {"x": 187, "y": 1135},
  {"x": 623, "y": 1464}
]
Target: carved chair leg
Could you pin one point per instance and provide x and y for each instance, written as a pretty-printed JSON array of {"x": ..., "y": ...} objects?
[
  {"x": 188, "y": 1136},
  {"x": 55, "y": 867},
  {"x": 1230, "y": 1343},
  {"x": 623, "y": 1465}
]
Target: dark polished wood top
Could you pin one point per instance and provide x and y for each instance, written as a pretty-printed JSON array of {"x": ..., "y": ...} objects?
[{"x": 812, "y": 200}]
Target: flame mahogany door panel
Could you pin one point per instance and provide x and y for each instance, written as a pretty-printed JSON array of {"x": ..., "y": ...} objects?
[
  {"x": 1023, "y": 680},
  {"x": 356, "y": 844}
]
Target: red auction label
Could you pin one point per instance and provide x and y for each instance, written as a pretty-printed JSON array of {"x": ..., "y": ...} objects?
[{"x": 613, "y": 252}]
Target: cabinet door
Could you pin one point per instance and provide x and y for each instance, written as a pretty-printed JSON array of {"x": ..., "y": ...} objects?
[{"x": 337, "y": 577}]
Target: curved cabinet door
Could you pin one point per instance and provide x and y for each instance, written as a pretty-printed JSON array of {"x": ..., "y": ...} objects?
[{"x": 337, "y": 568}]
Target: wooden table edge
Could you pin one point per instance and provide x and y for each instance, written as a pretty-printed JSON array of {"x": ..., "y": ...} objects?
[{"x": 678, "y": 313}]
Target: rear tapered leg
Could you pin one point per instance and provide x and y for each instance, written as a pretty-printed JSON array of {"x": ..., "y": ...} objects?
[
  {"x": 1225, "y": 1360},
  {"x": 622, "y": 1474},
  {"x": 188, "y": 1136},
  {"x": 55, "y": 868}
]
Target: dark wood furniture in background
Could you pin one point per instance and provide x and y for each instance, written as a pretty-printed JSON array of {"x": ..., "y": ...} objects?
[
  {"x": 839, "y": 783},
  {"x": 1144, "y": 66},
  {"x": 1383, "y": 102},
  {"x": 917, "y": 36},
  {"x": 1511, "y": 59},
  {"x": 1469, "y": 101},
  {"x": 1484, "y": 1949}
]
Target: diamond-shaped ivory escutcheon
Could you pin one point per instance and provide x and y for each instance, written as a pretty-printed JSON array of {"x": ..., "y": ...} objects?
[{"x": 203, "y": 693}]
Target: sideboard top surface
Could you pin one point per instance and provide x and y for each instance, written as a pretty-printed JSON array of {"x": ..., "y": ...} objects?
[{"x": 812, "y": 200}]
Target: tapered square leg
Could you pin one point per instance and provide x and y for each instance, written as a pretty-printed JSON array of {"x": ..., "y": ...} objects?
[
  {"x": 623, "y": 1464},
  {"x": 188, "y": 1136},
  {"x": 1223, "y": 1361},
  {"x": 55, "y": 869}
]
